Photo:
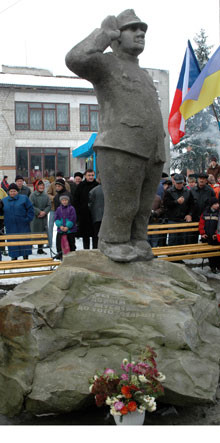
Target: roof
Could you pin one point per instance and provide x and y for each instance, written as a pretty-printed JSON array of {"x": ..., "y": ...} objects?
[
  {"x": 85, "y": 150},
  {"x": 44, "y": 82}
]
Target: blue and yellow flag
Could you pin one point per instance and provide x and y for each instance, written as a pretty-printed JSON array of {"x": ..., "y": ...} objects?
[{"x": 205, "y": 89}]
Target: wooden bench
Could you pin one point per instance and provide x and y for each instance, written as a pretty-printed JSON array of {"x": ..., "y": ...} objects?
[
  {"x": 47, "y": 265},
  {"x": 181, "y": 252}
]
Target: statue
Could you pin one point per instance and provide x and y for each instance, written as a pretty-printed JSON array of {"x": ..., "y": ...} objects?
[{"x": 130, "y": 142}]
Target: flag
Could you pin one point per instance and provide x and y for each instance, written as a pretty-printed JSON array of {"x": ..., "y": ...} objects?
[
  {"x": 188, "y": 74},
  {"x": 205, "y": 88}
]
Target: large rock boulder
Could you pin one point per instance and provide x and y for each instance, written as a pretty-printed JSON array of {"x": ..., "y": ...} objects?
[{"x": 56, "y": 331}]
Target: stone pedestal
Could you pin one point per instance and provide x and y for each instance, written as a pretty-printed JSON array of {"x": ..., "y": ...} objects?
[{"x": 56, "y": 331}]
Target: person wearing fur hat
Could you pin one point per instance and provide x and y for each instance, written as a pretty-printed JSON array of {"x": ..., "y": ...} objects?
[
  {"x": 65, "y": 220},
  {"x": 74, "y": 182},
  {"x": 23, "y": 189},
  {"x": 18, "y": 213},
  {"x": 51, "y": 191},
  {"x": 41, "y": 203},
  {"x": 208, "y": 230},
  {"x": 214, "y": 167}
]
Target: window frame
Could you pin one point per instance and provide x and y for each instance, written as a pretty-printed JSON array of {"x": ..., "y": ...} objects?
[
  {"x": 40, "y": 106},
  {"x": 43, "y": 152},
  {"x": 89, "y": 112}
]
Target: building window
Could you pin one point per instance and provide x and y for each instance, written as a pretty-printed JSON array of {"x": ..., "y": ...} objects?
[
  {"x": 89, "y": 115},
  {"x": 36, "y": 163},
  {"x": 42, "y": 116}
]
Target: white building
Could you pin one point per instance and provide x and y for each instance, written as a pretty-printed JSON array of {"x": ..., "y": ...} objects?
[{"x": 43, "y": 118}]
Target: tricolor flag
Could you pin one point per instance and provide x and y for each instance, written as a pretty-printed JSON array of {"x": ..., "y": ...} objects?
[
  {"x": 205, "y": 89},
  {"x": 189, "y": 73}
]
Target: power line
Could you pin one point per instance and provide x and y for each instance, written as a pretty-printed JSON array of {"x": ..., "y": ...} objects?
[{"x": 18, "y": 1}]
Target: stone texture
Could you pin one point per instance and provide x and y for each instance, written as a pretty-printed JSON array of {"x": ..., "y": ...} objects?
[{"x": 56, "y": 331}]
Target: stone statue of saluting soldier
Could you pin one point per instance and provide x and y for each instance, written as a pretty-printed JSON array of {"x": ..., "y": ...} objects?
[{"x": 130, "y": 142}]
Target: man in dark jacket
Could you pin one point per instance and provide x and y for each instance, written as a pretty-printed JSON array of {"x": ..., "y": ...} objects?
[
  {"x": 208, "y": 230},
  {"x": 96, "y": 207},
  {"x": 24, "y": 190},
  {"x": 178, "y": 208},
  {"x": 84, "y": 218},
  {"x": 201, "y": 194}
]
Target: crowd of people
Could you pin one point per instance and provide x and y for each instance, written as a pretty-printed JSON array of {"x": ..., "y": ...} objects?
[
  {"x": 65, "y": 203},
  {"x": 195, "y": 198},
  {"x": 76, "y": 207}
]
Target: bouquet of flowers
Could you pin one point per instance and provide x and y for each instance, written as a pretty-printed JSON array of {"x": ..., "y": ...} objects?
[{"x": 135, "y": 389}]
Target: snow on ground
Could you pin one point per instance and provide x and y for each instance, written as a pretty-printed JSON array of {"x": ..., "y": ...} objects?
[
  {"x": 195, "y": 265},
  {"x": 12, "y": 281}
]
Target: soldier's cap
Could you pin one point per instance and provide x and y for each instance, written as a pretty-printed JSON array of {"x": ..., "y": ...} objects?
[
  {"x": 178, "y": 178},
  {"x": 128, "y": 18}
]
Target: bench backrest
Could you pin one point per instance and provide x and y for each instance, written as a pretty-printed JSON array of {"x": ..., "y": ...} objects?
[
  {"x": 23, "y": 239},
  {"x": 173, "y": 228}
]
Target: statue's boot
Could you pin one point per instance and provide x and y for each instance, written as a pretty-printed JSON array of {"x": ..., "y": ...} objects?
[
  {"x": 120, "y": 252},
  {"x": 143, "y": 250}
]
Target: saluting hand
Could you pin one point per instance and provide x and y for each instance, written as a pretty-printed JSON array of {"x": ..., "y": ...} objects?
[{"x": 110, "y": 26}]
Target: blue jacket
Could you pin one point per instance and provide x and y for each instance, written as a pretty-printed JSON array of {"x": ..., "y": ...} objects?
[{"x": 18, "y": 213}]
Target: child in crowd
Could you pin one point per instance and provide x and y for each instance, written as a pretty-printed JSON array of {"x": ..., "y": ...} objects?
[{"x": 65, "y": 220}]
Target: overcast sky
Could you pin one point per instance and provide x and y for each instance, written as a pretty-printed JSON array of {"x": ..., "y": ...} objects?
[{"x": 40, "y": 32}]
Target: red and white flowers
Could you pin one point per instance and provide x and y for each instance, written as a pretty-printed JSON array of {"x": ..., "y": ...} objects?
[{"x": 135, "y": 389}]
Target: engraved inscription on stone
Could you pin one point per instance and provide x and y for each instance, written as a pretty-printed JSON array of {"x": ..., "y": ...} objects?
[{"x": 110, "y": 305}]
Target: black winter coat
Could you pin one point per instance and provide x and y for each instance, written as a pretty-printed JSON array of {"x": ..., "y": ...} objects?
[
  {"x": 96, "y": 203},
  {"x": 81, "y": 200},
  {"x": 173, "y": 210},
  {"x": 201, "y": 200}
]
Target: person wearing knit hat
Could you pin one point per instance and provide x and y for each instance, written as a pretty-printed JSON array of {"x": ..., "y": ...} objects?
[
  {"x": 65, "y": 220},
  {"x": 51, "y": 191},
  {"x": 208, "y": 230},
  {"x": 60, "y": 181},
  {"x": 41, "y": 203},
  {"x": 65, "y": 197},
  {"x": 60, "y": 187},
  {"x": 18, "y": 213}
]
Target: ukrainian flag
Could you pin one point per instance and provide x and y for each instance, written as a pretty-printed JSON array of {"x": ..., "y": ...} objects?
[{"x": 205, "y": 89}]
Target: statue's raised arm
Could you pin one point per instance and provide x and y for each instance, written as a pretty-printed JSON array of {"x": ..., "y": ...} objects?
[{"x": 130, "y": 142}]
